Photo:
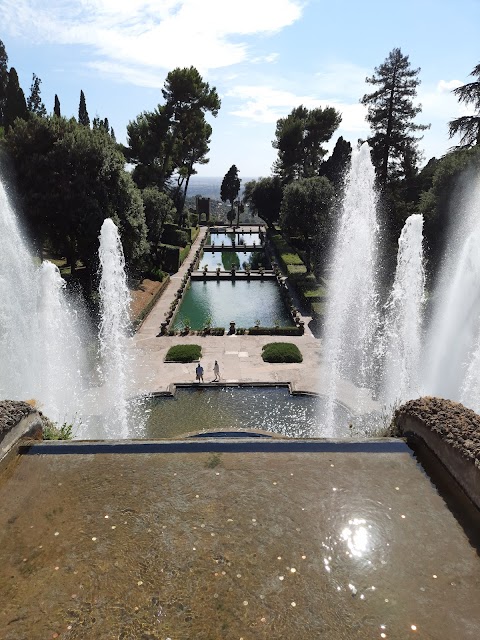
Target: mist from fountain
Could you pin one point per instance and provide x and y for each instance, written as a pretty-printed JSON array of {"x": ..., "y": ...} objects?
[
  {"x": 395, "y": 355},
  {"x": 402, "y": 330},
  {"x": 352, "y": 305},
  {"x": 40, "y": 347},
  {"x": 113, "y": 332},
  {"x": 452, "y": 364}
]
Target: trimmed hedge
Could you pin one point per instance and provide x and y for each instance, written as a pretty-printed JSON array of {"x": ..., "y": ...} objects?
[
  {"x": 184, "y": 353},
  {"x": 170, "y": 257},
  {"x": 296, "y": 271},
  {"x": 281, "y": 352},
  {"x": 276, "y": 331},
  {"x": 183, "y": 254},
  {"x": 175, "y": 235},
  {"x": 286, "y": 255}
]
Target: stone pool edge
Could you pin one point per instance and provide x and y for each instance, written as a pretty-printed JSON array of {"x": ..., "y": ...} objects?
[{"x": 441, "y": 424}]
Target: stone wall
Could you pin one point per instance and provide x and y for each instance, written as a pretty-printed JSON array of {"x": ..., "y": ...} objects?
[
  {"x": 452, "y": 432},
  {"x": 17, "y": 420}
]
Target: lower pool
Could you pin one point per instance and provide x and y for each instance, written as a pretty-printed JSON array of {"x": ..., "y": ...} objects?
[{"x": 267, "y": 408}]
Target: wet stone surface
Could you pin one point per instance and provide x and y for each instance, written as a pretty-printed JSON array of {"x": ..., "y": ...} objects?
[{"x": 232, "y": 546}]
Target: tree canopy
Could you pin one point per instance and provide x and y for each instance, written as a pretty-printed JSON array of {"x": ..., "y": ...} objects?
[
  {"x": 15, "y": 105},
  {"x": 34, "y": 102},
  {"x": 83, "y": 117},
  {"x": 230, "y": 187},
  {"x": 175, "y": 136},
  {"x": 391, "y": 114},
  {"x": 305, "y": 211},
  {"x": 265, "y": 198},
  {"x": 468, "y": 126},
  {"x": 3, "y": 81},
  {"x": 71, "y": 178},
  {"x": 299, "y": 138}
]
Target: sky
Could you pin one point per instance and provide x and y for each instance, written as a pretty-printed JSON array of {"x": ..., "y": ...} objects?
[{"x": 265, "y": 57}]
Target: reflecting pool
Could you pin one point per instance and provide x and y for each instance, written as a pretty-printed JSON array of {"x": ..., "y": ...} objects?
[
  {"x": 228, "y": 238},
  {"x": 266, "y": 408},
  {"x": 241, "y": 301},
  {"x": 228, "y": 259}
]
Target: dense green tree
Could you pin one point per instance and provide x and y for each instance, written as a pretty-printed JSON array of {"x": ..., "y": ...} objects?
[
  {"x": 3, "y": 80},
  {"x": 335, "y": 167},
  {"x": 468, "y": 126},
  {"x": 82, "y": 111},
  {"x": 15, "y": 105},
  {"x": 159, "y": 209},
  {"x": 34, "y": 101},
  {"x": 391, "y": 114},
  {"x": 305, "y": 212},
  {"x": 175, "y": 136},
  {"x": 265, "y": 198},
  {"x": 439, "y": 205},
  {"x": 71, "y": 178},
  {"x": 56, "y": 107},
  {"x": 230, "y": 188},
  {"x": 299, "y": 138}
]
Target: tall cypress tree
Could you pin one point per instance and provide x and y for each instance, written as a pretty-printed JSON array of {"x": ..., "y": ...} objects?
[
  {"x": 391, "y": 115},
  {"x": 34, "y": 102},
  {"x": 15, "y": 105},
  {"x": 82, "y": 111},
  {"x": 3, "y": 80},
  {"x": 56, "y": 107}
]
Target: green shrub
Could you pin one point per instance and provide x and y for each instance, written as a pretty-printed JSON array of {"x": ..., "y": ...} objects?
[
  {"x": 318, "y": 309},
  {"x": 281, "y": 352},
  {"x": 291, "y": 258},
  {"x": 193, "y": 218},
  {"x": 296, "y": 270},
  {"x": 184, "y": 353},
  {"x": 53, "y": 431}
]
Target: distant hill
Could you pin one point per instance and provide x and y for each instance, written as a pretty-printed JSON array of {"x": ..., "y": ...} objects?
[{"x": 210, "y": 187}]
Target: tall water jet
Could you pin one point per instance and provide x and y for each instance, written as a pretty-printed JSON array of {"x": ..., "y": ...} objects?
[
  {"x": 41, "y": 350},
  {"x": 18, "y": 295},
  {"x": 453, "y": 334},
  {"x": 61, "y": 353},
  {"x": 402, "y": 335},
  {"x": 114, "y": 312},
  {"x": 352, "y": 304}
]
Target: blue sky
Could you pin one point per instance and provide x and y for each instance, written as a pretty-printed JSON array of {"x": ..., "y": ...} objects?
[{"x": 265, "y": 57}]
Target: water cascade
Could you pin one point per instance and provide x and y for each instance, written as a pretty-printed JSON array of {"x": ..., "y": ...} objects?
[
  {"x": 352, "y": 314},
  {"x": 402, "y": 335},
  {"x": 114, "y": 309}
]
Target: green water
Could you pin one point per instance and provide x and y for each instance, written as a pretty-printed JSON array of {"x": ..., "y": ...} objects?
[
  {"x": 240, "y": 259},
  {"x": 240, "y": 301},
  {"x": 266, "y": 408}
]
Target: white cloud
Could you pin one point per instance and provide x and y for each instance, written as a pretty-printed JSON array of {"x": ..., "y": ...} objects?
[
  {"x": 155, "y": 34},
  {"x": 267, "y": 104}
]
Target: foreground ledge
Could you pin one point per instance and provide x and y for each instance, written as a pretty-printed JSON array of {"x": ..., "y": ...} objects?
[{"x": 452, "y": 432}]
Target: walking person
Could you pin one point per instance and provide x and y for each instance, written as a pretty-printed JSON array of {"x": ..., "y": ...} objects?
[
  {"x": 216, "y": 371},
  {"x": 199, "y": 372}
]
